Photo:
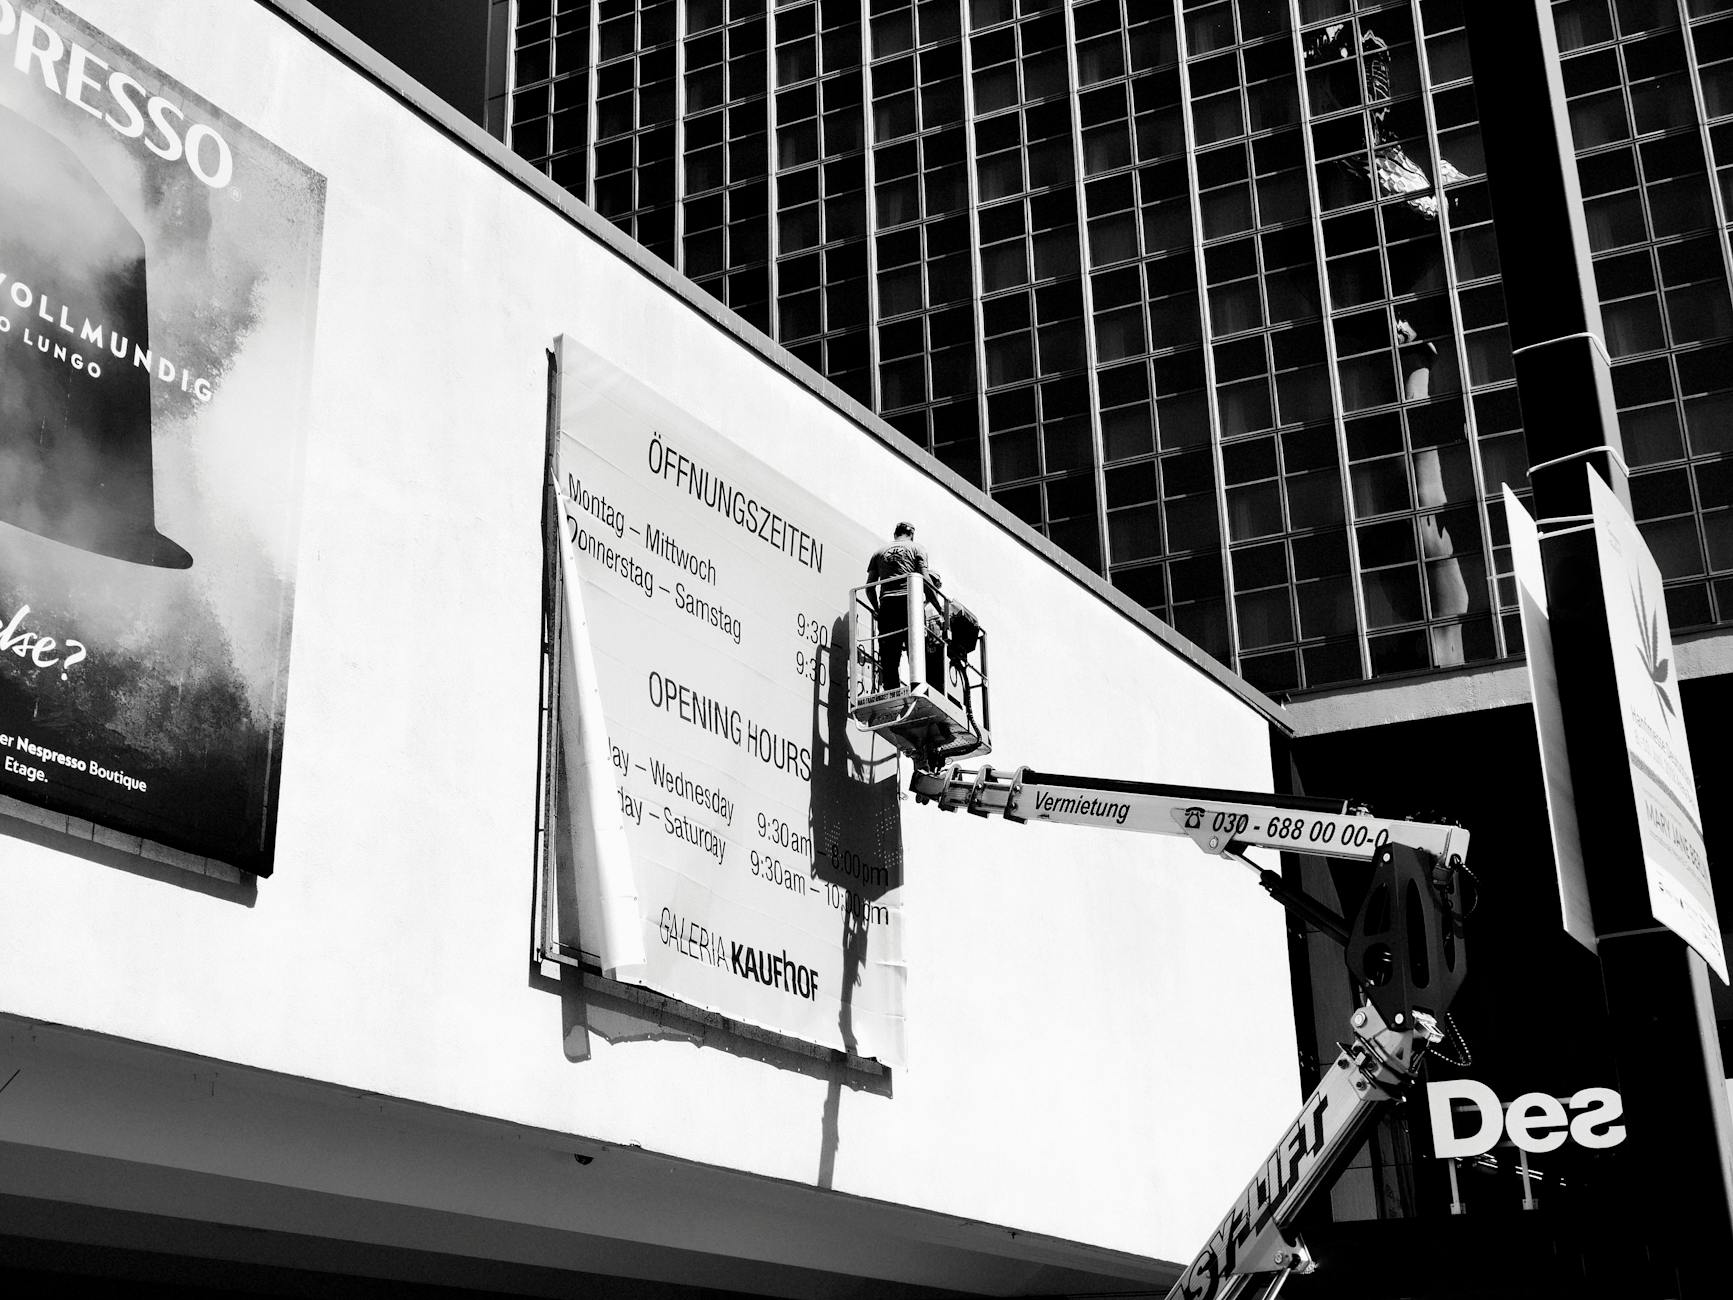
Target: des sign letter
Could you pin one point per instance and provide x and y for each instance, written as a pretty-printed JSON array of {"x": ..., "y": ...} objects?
[{"x": 1537, "y": 1122}]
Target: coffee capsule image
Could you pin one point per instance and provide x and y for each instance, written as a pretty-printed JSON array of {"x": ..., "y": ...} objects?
[{"x": 75, "y": 363}]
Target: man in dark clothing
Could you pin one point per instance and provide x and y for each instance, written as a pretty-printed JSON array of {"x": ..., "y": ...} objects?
[{"x": 887, "y": 593}]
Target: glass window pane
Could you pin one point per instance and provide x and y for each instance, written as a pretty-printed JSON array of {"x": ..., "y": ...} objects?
[
  {"x": 1380, "y": 487},
  {"x": 1265, "y": 618},
  {"x": 1134, "y": 534},
  {"x": 1256, "y": 511},
  {"x": 1119, "y": 334},
  {"x": 1676, "y": 547},
  {"x": 1392, "y": 596}
]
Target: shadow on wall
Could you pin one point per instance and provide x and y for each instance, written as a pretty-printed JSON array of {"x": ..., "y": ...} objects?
[
  {"x": 18, "y": 821},
  {"x": 857, "y": 838}
]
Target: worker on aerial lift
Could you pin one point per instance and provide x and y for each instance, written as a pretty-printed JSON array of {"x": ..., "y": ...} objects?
[
  {"x": 941, "y": 712},
  {"x": 887, "y": 593}
]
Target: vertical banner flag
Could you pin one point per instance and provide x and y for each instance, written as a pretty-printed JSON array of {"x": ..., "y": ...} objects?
[
  {"x": 762, "y": 832},
  {"x": 1645, "y": 669},
  {"x": 1555, "y": 768},
  {"x": 158, "y": 272}
]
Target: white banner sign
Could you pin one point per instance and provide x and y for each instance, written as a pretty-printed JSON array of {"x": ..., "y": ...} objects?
[
  {"x": 761, "y": 833},
  {"x": 1555, "y": 768},
  {"x": 1645, "y": 668}
]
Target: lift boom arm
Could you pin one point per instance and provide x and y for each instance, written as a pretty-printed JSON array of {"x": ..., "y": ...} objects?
[
  {"x": 1403, "y": 948},
  {"x": 1221, "y": 822},
  {"x": 1256, "y": 1237}
]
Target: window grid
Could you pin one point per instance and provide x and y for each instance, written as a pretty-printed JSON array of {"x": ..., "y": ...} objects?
[
  {"x": 1139, "y": 222},
  {"x": 822, "y": 241},
  {"x": 1325, "y": 562},
  {"x": 1406, "y": 427},
  {"x": 1212, "y": 110},
  {"x": 821, "y": 193},
  {"x": 1709, "y": 45},
  {"x": 550, "y": 109},
  {"x": 1445, "y": 74},
  {"x": 1145, "y": 324},
  {"x": 923, "y": 260},
  {"x": 954, "y": 429},
  {"x": 862, "y": 9},
  {"x": 1040, "y": 434},
  {"x": 637, "y": 140},
  {"x": 1156, "y": 304},
  {"x": 1102, "y": 21},
  {"x": 1257, "y": 267},
  {"x": 1648, "y": 97},
  {"x": 726, "y": 198}
]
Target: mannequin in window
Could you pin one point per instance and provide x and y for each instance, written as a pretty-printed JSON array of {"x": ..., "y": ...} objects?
[{"x": 1359, "y": 71}]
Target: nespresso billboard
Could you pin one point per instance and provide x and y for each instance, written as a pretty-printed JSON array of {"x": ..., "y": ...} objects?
[{"x": 158, "y": 273}]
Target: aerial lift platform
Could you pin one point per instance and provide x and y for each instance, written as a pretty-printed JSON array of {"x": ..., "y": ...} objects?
[
  {"x": 1404, "y": 946},
  {"x": 924, "y": 689}
]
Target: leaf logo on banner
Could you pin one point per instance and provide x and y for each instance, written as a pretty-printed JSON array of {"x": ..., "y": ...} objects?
[{"x": 1660, "y": 668}]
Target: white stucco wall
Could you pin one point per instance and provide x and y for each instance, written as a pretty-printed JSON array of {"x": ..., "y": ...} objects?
[{"x": 1100, "y": 1027}]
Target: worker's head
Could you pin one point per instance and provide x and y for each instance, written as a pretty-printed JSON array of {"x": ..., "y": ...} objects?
[{"x": 904, "y": 529}]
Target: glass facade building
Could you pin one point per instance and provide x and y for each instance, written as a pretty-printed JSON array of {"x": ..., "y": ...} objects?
[{"x": 1207, "y": 291}]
